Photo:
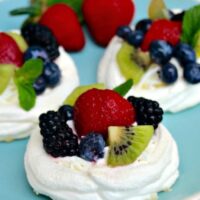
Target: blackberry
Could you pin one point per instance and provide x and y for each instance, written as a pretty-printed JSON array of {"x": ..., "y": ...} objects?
[
  {"x": 37, "y": 34},
  {"x": 58, "y": 137},
  {"x": 148, "y": 112}
]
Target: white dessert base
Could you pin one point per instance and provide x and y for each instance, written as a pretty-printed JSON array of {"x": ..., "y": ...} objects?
[{"x": 72, "y": 178}]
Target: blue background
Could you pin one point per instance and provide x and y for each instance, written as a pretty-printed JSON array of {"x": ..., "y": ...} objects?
[{"x": 185, "y": 126}]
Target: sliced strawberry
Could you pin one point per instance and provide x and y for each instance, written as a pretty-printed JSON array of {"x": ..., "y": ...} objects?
[
  {"x": 96, "y": 110},
  {"x": 9, "y": 51},
  {"x": 63, "y": 22},
  {"x": 163, "y": 29},
  {"x": 103, "y": 17}
]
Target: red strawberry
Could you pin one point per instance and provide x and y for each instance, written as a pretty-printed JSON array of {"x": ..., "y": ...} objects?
[
  {"x": 63, "y": 22},
  {"x": 9, "y": 51},
  {"x": 96, "y": 110},
  {"x": 163, "y": 29},
  {"x": 103, "y": 17}
]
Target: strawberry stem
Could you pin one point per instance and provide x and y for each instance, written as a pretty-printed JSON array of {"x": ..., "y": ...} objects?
[{"x": 32, "y": 11}]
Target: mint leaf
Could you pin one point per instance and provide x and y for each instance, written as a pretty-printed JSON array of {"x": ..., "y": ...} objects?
[
  {"x": 24, "y": 79},
  {"x": 124, "y": 87},
  {"x": 190, "y": 24},
  {"x": 76, "y": 5}
]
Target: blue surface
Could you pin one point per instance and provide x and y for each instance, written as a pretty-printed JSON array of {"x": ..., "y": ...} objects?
[{"x": 184, "y": 126}]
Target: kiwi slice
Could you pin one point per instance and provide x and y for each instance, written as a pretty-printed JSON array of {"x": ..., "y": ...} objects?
[
  {"x": 71, "y": 99},
  {"x": 126, "y": 144},
  {"x": 6, "y": 73},
  {"x": 19, "y": 40},
  {"x": 127, "y": 65},
  {"x": 158, "y": 10},
  {"x": 196, "y": 43}
]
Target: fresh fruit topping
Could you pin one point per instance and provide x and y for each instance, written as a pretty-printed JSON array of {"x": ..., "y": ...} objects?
[
  {"x": 36, "y": 52},
  {"x": 123, "y": 32},
  {"x": 177, "y": 16},
  {"x": 58, "y": 138},
  {"x": 148, "y": 112},
  {"x": 196, "y": 44},
  {"x": 24, "y": 78},
  {"x": 6, "y": 74},
  {"x": 9, "y": 51},
  {"x": 92, "y": 147},
  {"x": 96, "y": 110},
  {"x": 169, "y": 73},
  {"x": 105, "y": 17},
  {"x": 52, "y": 74},
  {"x": 185, "y": 54},
  {"x": 160, "y": 52},
  {"x": 124, "y": 88},
  {"x": 40, "y": 85},
  {"x": 162, "y": 30},
  {"x": 143, "y": 25},
  {"x": 128, "y": 67},
  {"x": 39, "y": 35},
  {"x": 126, "y": 144},
  {"x": 63, "y": 22},
  {"x": 71, "y": 99},
  {"x": 158, "y": 10},
  {"x": 19, "y": 40},
  {"x": 135, "y": 38},
  {"x": 192, "y": 73},
  {"x": 67, "y": 112}
]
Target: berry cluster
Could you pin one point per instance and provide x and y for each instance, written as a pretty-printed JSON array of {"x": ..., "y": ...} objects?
[
  {"x": 148, "y": 112},
  {"x": 43, "y": 45},
  {"x": 162, "y": 39}
]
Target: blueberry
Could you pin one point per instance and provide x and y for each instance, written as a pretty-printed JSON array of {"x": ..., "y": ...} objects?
[
  {"x": 92, "y": 147},
  {"x": 67, "y": 112},
  {"x": 36, "y": 52},
  {"x": 123, "y": 31},
  {"x": 143, "y": 25},
  {"x": 161, "y": 52},
  {"x": 176, "y": 16},
  {"x": 169, "y": 73},
  {"x": 52, "y": 74},
  {"x": 185, "y": 54},
  {"x": 135, "y": 38},
  {"x": 192, "y": 73},
  {"x": 40, "y": 85}
]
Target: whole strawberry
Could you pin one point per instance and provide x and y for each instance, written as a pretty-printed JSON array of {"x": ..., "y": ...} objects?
[
  {"x": 63, "y": 22},
  {"x": 104, "y": 17},
  {"x": 96, "y": 110},
  {"x": 163, "y": 29},
  {"x": 9, "y": 51}
]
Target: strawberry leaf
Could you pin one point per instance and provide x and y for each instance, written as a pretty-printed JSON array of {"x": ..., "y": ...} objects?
[{"x": 124, "y": 87}]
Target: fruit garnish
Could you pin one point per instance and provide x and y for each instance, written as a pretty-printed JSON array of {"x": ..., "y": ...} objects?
[
  {"x": 143, "y": 25},
  {"x": 19, "y": 40},
  {"x": 190, "y": 24},
  {"x": 92, "y": 147},
  {"x": 67, "y": 112},
  {"x": 162, "y": 30},
  {"x": 96, "y": 110},
  {"x": 124, "y": 87},
  {"x": 64, "y": 24},
  {"x": 126, "y": 144},
  {"x": 9, "y": 51},
  {"x": 158, "y": 10},
  {"x": 39, "y": 35},
  {"x": 40, "y": 85},
  {"x": 104, "y": 17},
  {"x": 58, "y": 138},
  {"x": 148, "y": 112},
  {"x": 6, "y": 73},
  {"x": 196, "y": 44},
  {"x": 71, "y": 99},
  {"x": 192, "y": 73},
  {"x": 128, "y": 68},
  {"x": 24, "y": 79}
]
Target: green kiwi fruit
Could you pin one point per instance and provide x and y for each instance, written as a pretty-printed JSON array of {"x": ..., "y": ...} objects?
[
  {"x": 127, "y": 65},
  {"x": 71, "y": 99},
  {"x": 126, "y": 144},
  {"x": 6, "y": 73}
]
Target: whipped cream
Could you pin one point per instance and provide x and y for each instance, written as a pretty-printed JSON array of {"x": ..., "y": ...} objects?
[
  {"x": 172, "y": 98},
  {"x": 74, "y": 178},
  {"x": 16, "y": 123}
]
